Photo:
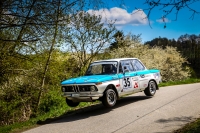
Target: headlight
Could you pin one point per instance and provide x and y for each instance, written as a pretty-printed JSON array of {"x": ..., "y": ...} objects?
[
  {"x": 63, "y": 89},
  {"x": 92, "y": 88}
]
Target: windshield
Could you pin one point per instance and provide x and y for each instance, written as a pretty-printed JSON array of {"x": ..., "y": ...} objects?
[{"x": 101, "y": 68}]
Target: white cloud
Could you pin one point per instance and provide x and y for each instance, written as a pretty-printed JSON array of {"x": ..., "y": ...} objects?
[
  {"x": 163, "y": 20},
  {"x": 121, "y": 16}
]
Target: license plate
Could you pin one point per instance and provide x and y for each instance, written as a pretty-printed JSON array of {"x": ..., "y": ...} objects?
[{"x": 75, "y": 95}]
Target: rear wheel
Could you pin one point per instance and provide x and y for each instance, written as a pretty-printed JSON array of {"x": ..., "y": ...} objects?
[
  {"x": 109, "y": 98},
  {"x": 151, "y": 89},
  {"x": 71, "y": 103}
]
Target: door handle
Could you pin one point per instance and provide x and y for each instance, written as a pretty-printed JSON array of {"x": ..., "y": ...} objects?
[
  {"x": 142, "y": 76},
  {"x": 136, "y": 74}
]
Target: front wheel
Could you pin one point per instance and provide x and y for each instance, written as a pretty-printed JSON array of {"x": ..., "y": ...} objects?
[
  {"x": 151, "y": 89},
  {"x": 71, "y": 103},
  {"x": 109, "y": 98}
]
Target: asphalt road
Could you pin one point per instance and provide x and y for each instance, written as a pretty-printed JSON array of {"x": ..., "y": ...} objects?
[{"x": 171, "y": 108}]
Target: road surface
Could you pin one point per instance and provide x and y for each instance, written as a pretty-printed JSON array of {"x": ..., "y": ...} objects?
[{"x": 170, "y": 109}]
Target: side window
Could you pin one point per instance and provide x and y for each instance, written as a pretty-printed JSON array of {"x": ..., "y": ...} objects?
[
  {"x": 137, "y": 65},
  {"x": 127, "y": 64}
]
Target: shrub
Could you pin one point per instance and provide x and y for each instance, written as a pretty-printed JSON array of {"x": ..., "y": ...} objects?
[
  {"x": 16, "y": 100},
  {"x": 169, "y": 61}
]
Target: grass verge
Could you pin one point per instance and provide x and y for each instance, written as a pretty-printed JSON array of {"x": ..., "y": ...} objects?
[
  {"x": 45, "y": 118},
  {"x": 193, "y": 127},
  {"x": 187, "y": 81}
]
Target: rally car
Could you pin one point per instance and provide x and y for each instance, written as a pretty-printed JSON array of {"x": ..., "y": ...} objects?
[{"x": 108, "y": 80}]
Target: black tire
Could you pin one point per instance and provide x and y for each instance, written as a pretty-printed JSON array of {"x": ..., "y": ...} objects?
[
  {"x": 71, "y": 103},
  {"x": 151, "y": 89},
  {"x": 110, "y": 98}
]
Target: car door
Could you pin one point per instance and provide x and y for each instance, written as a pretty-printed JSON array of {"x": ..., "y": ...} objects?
[
  {"x": 128, "y": 78},
  {"x": 142, "y": 73}
]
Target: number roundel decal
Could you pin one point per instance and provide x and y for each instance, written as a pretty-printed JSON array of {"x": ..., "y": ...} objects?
[{"x": 127, "y": 83}]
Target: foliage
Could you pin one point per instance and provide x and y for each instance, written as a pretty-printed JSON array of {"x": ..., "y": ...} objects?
[
  {"x": 168, "y": 60},
  {"x": 88, "y": 36},
  {"x": 31, "y": 63},
  {"x": 123, "y": 41},
  {"x": 118, "y": 35},
  {"x": 186, "y": 81},
  {"x": 193, "y": 127},
  {"x": 17, "y": 97},
  {"x": 189, "y": 47},
  {"x": 47, "y": 117},
  {"x": 19, "y": 94}
]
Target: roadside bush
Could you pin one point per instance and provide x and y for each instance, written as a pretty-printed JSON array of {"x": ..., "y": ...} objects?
[
  {"x": 19, "y": 94},
  {"x": 52, "y": 100},
  {"x": 16, "y": 99},
  {"x": 169, "y": 61}
]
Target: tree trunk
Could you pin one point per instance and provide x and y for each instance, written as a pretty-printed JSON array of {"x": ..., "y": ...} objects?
[{"x": 48, "y": 59}]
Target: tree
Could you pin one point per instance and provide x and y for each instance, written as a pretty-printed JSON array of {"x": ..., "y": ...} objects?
[
  {"x": 162, "y": 42},
  {"x": 169, "y": 61},
  {"x": 118, "y": 36},
  {"x": 188, "y": 45},
  {"x": 88, "y": 36},
  {"x": 30, "y": 33},
  {"x": 55, "y": 33},
  {"x": 171, "y": 6}
]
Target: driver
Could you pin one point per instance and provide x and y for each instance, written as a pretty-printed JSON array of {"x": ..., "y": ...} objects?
[{"x": 109, "y": 68}]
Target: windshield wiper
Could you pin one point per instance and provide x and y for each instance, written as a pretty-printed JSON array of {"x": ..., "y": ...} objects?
[{"x": 88, "y": 74}]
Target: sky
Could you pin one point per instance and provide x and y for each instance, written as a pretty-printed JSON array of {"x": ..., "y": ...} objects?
[{"x": 129, "y": 16}]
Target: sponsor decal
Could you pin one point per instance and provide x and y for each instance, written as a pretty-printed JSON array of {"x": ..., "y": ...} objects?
[
  {"x": 136, "y": 85},
  {"x": 127, "y": 83},
  {"x": 118, "y": 85},
  {"x": 156, "y": 75},
  {"x": 145, "y": 85}
]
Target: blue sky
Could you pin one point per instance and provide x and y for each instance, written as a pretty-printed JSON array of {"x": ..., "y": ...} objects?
[{"x": 128, "y": 20}]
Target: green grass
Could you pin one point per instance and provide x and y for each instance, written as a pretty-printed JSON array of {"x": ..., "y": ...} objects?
[
  {"x": 17, "y": 127},
  {"x": 187, "y": 81},
  {"x": 45, "y": 118},
  {"x": 57, "y": 113},
  {"x": 193, "y": 127}
]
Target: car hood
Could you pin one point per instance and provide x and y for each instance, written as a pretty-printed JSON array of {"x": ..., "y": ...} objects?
[{"x": 90, "y": 79}]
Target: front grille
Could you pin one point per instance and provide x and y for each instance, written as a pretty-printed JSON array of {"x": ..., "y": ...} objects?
[
  {"x": 84, "y": 88},
  {"x": 69, "y": 89},
  {"x": 77, "y": 88}
]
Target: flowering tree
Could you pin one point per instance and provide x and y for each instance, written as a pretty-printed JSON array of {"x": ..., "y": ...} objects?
[{"x": 168, "y": 60}]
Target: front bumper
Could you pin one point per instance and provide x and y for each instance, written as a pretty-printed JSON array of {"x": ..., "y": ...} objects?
[{"x": 82, "y": 96}]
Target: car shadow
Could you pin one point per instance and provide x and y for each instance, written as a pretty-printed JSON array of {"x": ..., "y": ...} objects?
[{"x": 93, "y": 110}]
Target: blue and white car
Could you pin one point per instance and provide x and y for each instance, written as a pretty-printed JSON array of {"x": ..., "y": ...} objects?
[{"x": 108, "y": 80}]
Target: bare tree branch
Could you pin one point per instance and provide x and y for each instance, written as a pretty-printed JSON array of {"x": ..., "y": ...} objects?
[{"x": 169, "y": 6}]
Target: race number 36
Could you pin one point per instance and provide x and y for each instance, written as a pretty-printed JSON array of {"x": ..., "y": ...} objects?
[{"x": 127, "y": 83}]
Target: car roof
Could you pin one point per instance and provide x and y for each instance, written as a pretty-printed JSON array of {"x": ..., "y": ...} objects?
[{"x": 115, "y": 59}]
